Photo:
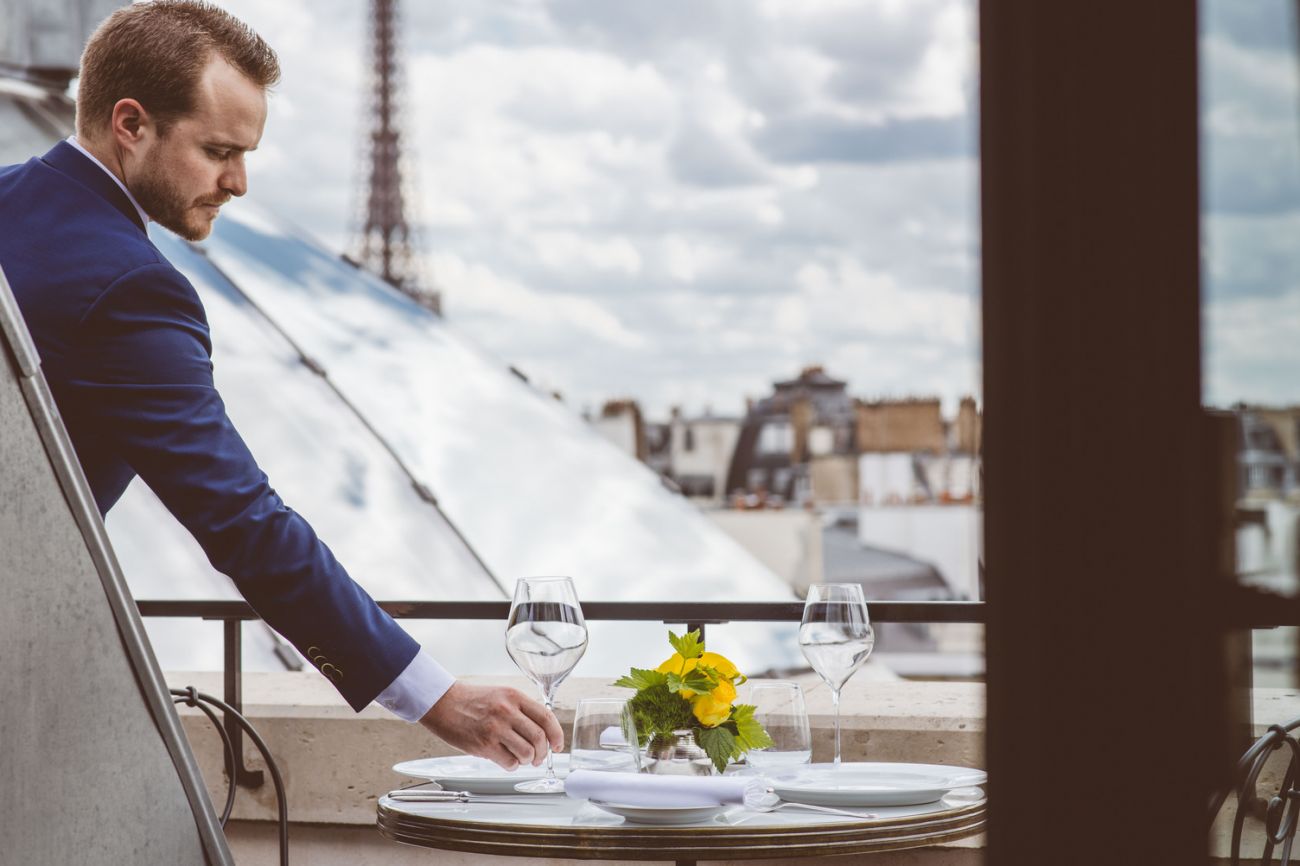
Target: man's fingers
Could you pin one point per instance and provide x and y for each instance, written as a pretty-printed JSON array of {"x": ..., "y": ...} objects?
[
  {"x": 502, "y": 758},
  {"x": 546, "y": 720},
  {"x": 519, "y": 747},
  {"x": 535, "y": 735}
]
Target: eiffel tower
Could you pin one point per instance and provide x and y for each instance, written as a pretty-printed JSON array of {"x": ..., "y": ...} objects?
[{"x": 386, "y": 244}]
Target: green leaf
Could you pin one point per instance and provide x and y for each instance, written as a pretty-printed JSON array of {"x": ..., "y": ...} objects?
[
  {"x": 641, "y": 680},
  {"x": 749, "y": 733},
  {"x": 719, "y": 743},
  {"x": 656, "y": 710},
  {"x": 696, "y": 681},
  {"x": 710, "y": 672},
  {"x": 688, "y": 646}
]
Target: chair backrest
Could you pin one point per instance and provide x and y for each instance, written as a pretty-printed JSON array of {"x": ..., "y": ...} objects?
[
  {"x": 1280, "y": 811},
  {"x": 94, "y": 767}
]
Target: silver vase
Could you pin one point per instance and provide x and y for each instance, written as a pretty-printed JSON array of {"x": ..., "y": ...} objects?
[{"x": 676, "y": 755}]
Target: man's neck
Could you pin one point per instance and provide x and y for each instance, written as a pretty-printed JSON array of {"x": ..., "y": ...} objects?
[{"x": 103, "y": 155}]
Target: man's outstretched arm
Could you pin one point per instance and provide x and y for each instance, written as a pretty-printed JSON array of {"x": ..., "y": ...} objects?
[{"x": 145, "y": 387}]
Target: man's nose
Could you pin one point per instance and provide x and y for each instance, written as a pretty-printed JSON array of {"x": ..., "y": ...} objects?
[{"x": 234, "y": 179}]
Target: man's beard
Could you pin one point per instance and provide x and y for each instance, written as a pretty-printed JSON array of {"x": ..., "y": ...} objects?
[{"x": 167, "y": 205}]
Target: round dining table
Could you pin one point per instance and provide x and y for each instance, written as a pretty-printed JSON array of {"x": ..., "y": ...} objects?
[{"x": 562, "y": 827}]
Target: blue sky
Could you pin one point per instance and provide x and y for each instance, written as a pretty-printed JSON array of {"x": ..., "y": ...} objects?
[{"x": 683, "y": 201}]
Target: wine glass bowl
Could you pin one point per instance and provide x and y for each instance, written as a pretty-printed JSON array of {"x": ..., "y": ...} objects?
[
  {"x": 836, "y": 638},
  {"x": 546, "y": 635}
]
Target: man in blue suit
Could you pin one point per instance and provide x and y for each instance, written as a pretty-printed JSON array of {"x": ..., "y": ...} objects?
[{"x": 172, "y": 96}]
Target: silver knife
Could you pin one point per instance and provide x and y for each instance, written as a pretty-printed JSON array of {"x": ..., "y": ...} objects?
[{"x": 412, "y": 795}]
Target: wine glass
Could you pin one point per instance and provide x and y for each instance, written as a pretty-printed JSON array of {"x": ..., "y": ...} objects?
[
  {"x": 779, "y": 708},
  {"x": 836, "y": 638},
  {"x": 545, "y": 636}
]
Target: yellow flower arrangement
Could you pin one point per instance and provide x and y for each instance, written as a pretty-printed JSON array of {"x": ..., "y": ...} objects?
[{"x": 696, "y": 690}]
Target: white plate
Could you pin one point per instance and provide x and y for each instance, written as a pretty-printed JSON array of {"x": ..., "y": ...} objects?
[
  {"x": 662, "y": 815},
  {"x": 872, "y": 784},
  {"x": 476, "y": 775}
]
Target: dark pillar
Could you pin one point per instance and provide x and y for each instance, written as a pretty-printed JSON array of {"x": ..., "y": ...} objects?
[{"x": 1104, "y": 661}]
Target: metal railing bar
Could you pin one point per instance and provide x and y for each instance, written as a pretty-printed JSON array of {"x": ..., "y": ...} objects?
[
  {"x": 694, "y": 612},
  {"x": 1243, "y": 607}
]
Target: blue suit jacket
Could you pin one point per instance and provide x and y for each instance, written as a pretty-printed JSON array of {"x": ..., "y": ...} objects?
[{"x": 124, "y": 344}]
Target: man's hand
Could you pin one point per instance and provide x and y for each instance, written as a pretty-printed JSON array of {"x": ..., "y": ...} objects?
[{"x": 499, "y": 724}]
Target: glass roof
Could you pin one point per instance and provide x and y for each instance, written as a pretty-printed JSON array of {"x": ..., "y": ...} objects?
[
  {"x": 531, "y": 486},
  {"x": 528, "y": 486}
]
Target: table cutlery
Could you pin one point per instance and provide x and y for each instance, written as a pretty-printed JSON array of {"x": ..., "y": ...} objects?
[
  {"x": 866, "y": 816},
  {"x": 413, "y": 795}
]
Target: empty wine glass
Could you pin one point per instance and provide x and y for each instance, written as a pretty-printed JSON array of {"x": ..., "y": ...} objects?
[
  {"x": 546, "y": 635},
  {"x": 836, "y": 637},
  {"x": 779, "y": 708}
]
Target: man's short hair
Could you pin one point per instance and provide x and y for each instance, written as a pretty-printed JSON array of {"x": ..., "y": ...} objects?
[{"x": 155, "y": 54}]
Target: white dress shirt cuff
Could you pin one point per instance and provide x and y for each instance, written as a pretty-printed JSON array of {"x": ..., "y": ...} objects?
[{"x": 416, "y": 689}]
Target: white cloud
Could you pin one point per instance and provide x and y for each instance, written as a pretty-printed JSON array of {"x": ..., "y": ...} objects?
[
  {"x": 559, "y": 249},
  {"x": 476, "y": 292},
  {"x": 598, "y": 209},
  {"x": 1253, "y": 354},
  {"x": 844, "y": 297}
]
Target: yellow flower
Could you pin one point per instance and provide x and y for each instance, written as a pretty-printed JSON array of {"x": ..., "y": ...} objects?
[
  {"x": 712, "y": 709},
  {"x": 675, "y": 664}
]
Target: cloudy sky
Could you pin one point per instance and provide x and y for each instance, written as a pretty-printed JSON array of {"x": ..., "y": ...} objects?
[
  {"x": 1251, "y": 195},
  {"x": 683, "y": 201}
]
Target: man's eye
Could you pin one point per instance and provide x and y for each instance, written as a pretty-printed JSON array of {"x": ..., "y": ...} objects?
[{"x": 216, "y": 153}]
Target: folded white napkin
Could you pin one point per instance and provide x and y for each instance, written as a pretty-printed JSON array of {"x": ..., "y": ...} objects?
[
  {"x": 612, "y": 738},
  {"x": 641, "y": 789}
]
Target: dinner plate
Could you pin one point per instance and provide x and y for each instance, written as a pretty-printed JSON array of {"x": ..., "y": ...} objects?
[
  {"x": 476, "y": 775},
  {"x": 872, "y": 784},
  {"x": 663, "y": 815}
]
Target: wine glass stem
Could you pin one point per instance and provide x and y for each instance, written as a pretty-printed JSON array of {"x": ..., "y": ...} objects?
[
  {"x": 835, "y": 701},
  {"x": 550, "y": 753}
]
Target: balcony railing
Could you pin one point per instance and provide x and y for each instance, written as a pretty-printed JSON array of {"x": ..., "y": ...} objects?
[
  {"x": 694, "y": 615},
  {"x": 1243, "y": 607}
]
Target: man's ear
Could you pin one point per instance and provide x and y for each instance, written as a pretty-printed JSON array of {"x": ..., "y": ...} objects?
[{"x": 130, "y": 123}]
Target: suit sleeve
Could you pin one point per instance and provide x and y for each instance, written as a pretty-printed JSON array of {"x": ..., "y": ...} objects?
[{"x": 148, "y": 385}]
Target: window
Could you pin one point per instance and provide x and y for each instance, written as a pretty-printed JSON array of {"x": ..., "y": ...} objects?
[{"x": 776, "y": 437}]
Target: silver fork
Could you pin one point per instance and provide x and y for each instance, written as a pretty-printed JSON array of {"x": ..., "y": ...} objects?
[{"x": 866, "y": 816}]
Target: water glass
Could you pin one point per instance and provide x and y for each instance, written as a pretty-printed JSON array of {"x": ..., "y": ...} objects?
[
  {"x": 779, "y": 708},
  {"x": 604, "y": 737}
]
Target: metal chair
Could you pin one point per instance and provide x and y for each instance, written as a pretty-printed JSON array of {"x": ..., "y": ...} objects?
[
  {"x": 191, "y": 697},
  {"x": 1280, "y": 811}
]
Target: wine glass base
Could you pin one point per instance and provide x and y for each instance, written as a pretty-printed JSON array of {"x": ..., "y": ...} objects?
[{"x": 541, "y": 786}]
